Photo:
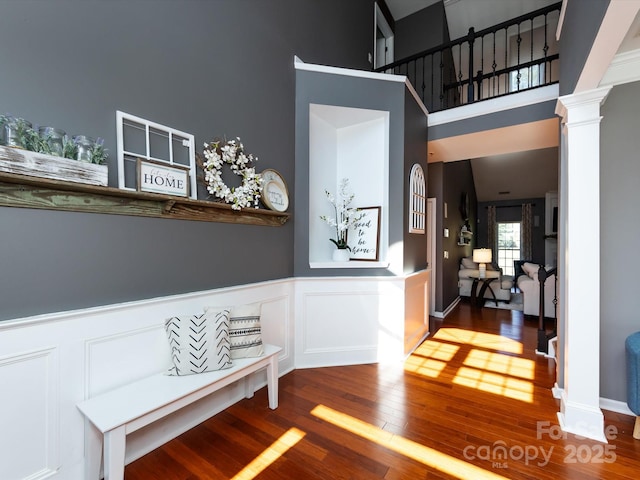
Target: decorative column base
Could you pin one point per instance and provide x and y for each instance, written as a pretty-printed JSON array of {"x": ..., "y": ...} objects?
[{"x": 582, "y": 420}]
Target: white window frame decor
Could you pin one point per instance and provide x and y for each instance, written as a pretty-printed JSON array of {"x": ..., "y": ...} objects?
[
  {"x": 126, "y": 157},
  {"x": 417, "y": 200}
]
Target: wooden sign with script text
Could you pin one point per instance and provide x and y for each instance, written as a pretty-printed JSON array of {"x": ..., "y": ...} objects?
[{"x": 364, "y": 235}]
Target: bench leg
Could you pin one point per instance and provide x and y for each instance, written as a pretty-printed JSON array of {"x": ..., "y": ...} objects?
[
  {"x": 93, "y": 451},
  {"x": 249, "y": 388},
  {"x": 636, "y": 429},
  {"x": 114, "y": 445},
  {"x": 272, "y": 382}
]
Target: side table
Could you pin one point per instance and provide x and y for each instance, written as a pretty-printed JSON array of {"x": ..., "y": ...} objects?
[{"x": 475, "y": 294}]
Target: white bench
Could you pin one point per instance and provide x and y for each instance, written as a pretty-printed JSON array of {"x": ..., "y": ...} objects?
[{"x": 118, "y": 412}]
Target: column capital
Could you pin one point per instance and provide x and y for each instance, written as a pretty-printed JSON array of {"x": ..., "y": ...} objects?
[{"x": 581, "y": 105}]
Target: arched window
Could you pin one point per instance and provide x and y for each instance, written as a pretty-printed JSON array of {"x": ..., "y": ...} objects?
[{"x": 417, "y": 195}]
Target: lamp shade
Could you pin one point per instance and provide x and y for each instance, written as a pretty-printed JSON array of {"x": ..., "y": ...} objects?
[{"x": 482, "y": 255}]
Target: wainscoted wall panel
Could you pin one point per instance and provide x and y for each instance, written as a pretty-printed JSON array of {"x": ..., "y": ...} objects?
[
  {"x": 416, "y": 319},
  {"x": 350, "y": 320},
  {"x": 339, "y": 320},
  {"x": 44, "y": 434},
  {"x": 116, "y": 359},
  {"x": 29, "y": 414}
]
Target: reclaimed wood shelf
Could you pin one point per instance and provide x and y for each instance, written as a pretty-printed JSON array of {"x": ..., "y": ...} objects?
[{"x": 41, "y": 193}]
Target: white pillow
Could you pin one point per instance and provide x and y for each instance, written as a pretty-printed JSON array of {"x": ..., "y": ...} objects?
[
  {"x": 245, "y": 330},
  {"x": 530, "y": 269},
  {"x": 199, "y": 343}
]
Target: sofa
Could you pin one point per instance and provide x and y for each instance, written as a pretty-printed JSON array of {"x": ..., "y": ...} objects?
[
  {"x": 501, "y": 287},
  {"x": 529, "y": 285}
]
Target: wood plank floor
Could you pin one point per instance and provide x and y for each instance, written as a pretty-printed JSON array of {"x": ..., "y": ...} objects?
[{"x": 473, "y": 402}]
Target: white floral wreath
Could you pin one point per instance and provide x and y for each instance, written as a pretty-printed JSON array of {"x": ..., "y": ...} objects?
[{"x": 232, "y": 153}]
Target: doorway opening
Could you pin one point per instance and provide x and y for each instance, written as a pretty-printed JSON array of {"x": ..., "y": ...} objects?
[{"x": 383, "y": 40}]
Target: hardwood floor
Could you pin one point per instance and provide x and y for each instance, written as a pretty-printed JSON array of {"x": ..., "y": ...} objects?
[{"x": 472, "y": 402}]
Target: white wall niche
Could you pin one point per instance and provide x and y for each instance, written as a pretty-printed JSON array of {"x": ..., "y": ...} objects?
[{"x": 348, "y": 143}]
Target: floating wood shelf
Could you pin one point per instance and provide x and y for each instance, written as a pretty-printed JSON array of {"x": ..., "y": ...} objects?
[{"x": 41, "y": 193}]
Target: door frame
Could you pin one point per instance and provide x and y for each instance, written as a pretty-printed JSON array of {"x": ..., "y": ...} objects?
[
  {"x": 431, "y": 250},
  {"x": 380, "y": 22}
]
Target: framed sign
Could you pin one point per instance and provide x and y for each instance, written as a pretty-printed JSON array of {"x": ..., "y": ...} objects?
[
  {"x": 364, "y": 235},
  {"x": 161, "y": 178}
]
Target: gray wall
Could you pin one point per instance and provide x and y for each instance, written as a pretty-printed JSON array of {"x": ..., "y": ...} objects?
[
  {"x": 211, "y": 68},
  {"x": 447, "y": 182},
  {"x": 415, "y": 151},
  {"x": 619, "y": 234},
  {"x": 581, "y": 23},
  {"x": 435, "y": 189},
  {"x": 457, "y": 180},
  {"x": 420, "y": 31}
]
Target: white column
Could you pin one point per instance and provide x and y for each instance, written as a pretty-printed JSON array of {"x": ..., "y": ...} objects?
[{"x": 580, "y": 402}]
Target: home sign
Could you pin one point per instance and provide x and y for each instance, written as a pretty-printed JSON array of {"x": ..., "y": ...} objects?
[{"x": 160, "y": 178}]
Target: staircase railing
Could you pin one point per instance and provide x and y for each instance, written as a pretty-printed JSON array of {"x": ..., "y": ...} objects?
[{"x": 513, "y": 56}]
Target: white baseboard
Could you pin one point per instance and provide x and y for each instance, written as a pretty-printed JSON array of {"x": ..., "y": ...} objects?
[
  {"x": 447, "y": 310},
  {"x": 605, "y": 403},
  {"x": 616, "y": 406}
]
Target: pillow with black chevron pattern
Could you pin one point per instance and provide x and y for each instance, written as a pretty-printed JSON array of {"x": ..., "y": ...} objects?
[
  {"x": 245, "y": 330},
  {"x": 199, "y": 343}
]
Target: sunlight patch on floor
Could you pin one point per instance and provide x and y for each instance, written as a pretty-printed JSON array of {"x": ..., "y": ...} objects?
[
  {"x": 424, "y": 366},
  {"x": 420, "y": 453},
  {"x": 478, "y": 339},
  {"x": 271, "y": 454},
  {"x": 438, "y": 350},
  {"x": 495, "y": 383},
  {"x": 500, "y": 363},
  {"x": 430, "y": 358}
]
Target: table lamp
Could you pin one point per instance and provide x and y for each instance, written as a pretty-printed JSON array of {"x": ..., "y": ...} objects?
[{"x": 482, "y": 256}]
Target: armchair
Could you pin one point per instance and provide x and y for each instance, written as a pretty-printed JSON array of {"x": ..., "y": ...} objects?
[{"x": 530, "y": 287}]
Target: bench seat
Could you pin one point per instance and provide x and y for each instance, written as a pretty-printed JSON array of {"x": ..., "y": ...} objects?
[{"x": 121, "y": 411}]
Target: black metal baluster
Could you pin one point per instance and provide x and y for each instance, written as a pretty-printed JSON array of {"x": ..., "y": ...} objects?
[
  {"x": 424, "y": 86},
  {"x": 493, "y": 67},
  {"x": 432, "y": 82},
  {"x": 545, "y": 49},
  {"x": 518, "y": 41},
  {"x": 442, "y": 99},
  {"x": 506, "y": 61}
]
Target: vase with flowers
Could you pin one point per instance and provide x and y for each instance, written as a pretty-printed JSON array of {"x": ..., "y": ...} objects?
[{"x": 345, "y": 217}]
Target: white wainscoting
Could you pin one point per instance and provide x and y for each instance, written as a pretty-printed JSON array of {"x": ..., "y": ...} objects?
[
  {"x": 29, "y": 413},
  {"x": 354, "y": 320},
  {"x": 51, "y": 362}
]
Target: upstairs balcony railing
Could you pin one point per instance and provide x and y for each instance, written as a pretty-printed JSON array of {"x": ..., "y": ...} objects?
[{"x": 513, "y": 56}]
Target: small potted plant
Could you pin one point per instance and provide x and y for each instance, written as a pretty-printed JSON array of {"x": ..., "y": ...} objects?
[{"x": 345, "y": 217}]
